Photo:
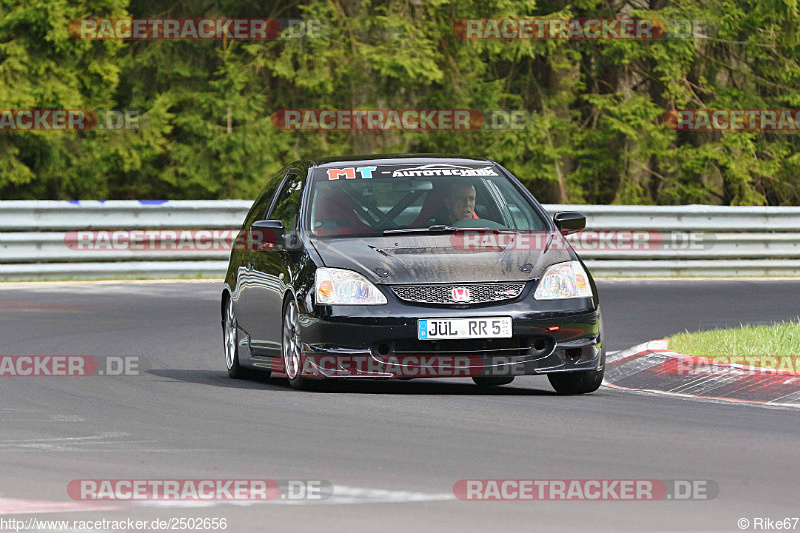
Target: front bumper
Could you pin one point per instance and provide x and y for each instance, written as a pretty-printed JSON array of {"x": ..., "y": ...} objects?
[{"x": 381, "y": 341}]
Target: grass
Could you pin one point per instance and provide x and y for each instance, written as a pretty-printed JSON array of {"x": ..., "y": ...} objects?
[{"x": 764, "y": 343}]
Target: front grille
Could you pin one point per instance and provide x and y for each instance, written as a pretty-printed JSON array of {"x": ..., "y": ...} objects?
[{"x": 466, "y": 293}]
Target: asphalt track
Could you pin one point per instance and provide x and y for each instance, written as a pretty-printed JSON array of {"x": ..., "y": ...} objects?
[{"x": 392, "y": 450}]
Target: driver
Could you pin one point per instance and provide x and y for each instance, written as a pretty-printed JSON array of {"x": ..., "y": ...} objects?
[{"x": 459, "y": 203}]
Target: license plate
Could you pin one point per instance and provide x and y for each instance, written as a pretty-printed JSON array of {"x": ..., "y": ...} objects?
[{"x": 464, "y": 328}]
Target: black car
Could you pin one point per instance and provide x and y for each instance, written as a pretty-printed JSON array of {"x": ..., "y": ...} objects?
[{"x": 402, "y": 266}]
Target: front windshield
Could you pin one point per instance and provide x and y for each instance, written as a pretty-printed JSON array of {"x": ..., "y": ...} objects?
[{"x": 371, "y": 200}]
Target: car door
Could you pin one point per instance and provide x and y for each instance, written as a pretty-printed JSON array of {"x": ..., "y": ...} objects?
[
  {"x": 242, "y": 256},
  {"x": 272, "y": 268}
]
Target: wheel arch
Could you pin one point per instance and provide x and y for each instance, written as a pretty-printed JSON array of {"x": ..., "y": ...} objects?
[
  {"x": 226, "y": 295},
  {"x": 289, "y": 294}
]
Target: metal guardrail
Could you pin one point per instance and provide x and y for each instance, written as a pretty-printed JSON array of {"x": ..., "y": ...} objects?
[
  {"x": 35, "y": 239},
  {"x": 42, "y": 215}
]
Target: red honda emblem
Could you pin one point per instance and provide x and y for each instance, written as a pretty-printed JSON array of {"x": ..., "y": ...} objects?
[{"x": 460, "y": 294}]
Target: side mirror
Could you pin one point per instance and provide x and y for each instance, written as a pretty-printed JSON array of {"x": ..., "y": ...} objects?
[
  {"x": 265, "y": 235},
  {"x": 569, "y": 221}
]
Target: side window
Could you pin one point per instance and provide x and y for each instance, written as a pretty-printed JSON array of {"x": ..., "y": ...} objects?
[
  {"x": 287, "y": 204},
  {"x": 514, "y": 213},
  {"x": 264, "y": 200}
]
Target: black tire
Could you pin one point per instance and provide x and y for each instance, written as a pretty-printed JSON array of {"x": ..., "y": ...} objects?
[
  {"x": 581, "y": 382},
  {"x": 291, "y": 347},
  {"x": 230, "y": 341},
  {"x": 485, "y": 381}
]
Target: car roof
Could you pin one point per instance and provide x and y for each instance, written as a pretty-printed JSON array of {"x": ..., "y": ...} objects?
[{"x": 395, "y": 159}]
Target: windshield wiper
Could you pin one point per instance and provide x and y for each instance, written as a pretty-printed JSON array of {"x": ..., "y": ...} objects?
[
  {"x": 436, "y": 228},
  {"x": 441, "y": 228},
  {"x": 493, "y": 230}
]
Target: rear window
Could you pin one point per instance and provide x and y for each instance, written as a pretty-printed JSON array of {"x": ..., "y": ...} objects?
[{"x": 367, "y": 200}]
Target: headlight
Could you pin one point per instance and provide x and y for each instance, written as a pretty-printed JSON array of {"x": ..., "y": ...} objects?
[
  {"x": 336, "y": 286},
  {"x": 564, "y": 280}
]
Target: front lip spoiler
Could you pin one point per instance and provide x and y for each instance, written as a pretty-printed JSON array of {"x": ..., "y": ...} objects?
[{"x": 392, "y": 366}]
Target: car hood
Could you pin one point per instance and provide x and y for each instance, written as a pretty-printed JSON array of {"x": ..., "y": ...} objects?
[{"x": 410, "y": 259}]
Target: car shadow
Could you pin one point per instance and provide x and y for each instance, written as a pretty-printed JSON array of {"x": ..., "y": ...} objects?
[
  {"x": 430, "y": 386},
  {"x": 214, "y": 378}
]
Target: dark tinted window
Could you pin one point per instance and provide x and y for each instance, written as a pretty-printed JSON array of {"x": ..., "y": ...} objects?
[
  {"x": 287, "y": 204},
  {"x": 264, "y": 200}
]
